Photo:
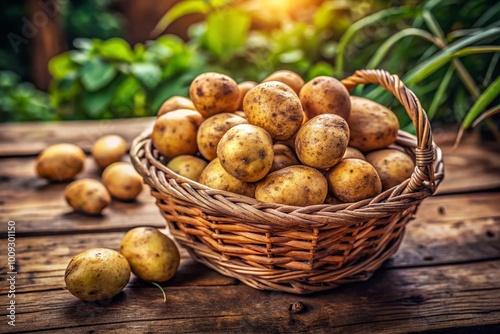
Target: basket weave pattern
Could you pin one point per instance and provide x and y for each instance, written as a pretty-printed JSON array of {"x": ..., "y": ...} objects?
[{"x": 296, "y": 249}]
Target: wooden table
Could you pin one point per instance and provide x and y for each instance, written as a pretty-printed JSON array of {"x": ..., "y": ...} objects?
[{"x": 446, "y": 275}]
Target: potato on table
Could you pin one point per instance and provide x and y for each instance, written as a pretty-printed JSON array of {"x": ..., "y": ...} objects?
[
  {"x": 214, "y": 93},
  {"x": 216, "y": 177},
  {"x": 60, "y": 162},
  {"x": 174, "y": 133},
  {"x": 393, "y": 166},
  {"x": 87, "y": 196},
  {"x": 295, "y": 185},
  {"x": 274, "y": 107},
  {"x": 109, "y": 149},
  {"x": 188, "y": 166},
  {"x": 289, "y": 78},
  {"x": 122, "y": 181},
  {"x": 353, "y": 180},
  {"x": 175, "y": 103},
  {"x": 372, "y": 125},
  {"x": 246, "y": 152},
  {"x": 211, "y": 131},
  {"x": 322, "y": 141},
  {"x": 325, "y": 95}
]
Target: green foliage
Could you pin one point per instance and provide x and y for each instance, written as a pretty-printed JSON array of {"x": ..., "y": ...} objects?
[{"x": 20, "y": 101}]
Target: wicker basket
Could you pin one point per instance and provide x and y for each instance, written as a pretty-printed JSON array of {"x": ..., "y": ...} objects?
[{"x": 296, "y": 249}]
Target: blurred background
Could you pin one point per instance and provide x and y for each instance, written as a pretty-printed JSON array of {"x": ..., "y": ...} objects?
[{"x": 102, "y": 59}]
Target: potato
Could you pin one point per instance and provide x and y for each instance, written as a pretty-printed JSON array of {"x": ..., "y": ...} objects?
[
  {"x": 325, "y": 95},
  {"x": 212, "y": 130},
  {"x": 60, "y": 162},
  {"x": 244, "y": 87},
  {"x": 175, "y": 133},
  {"x": 97, "y": 274},
  {"x": 175, "y": 103},
  {"x": 283, "y": 157},
  {"x": 275, "y": 107},
  {"x": 246, "y": 152},
  {"x": 294, "y": 185},
  {"x": 87, "y": 196},
  {"x": 372, "y": 125},
  {"x": 393, "y": 166},
  {"x": 216, "y": 177},
  {"x": 109, "y": 149},
  {"x": 353, "y": 180},
  {"x": 352, "y": 152},
  {"x": 152, "y": 255},
  {"x": 322, "y": 141},
  {"x": 187, "y": 166},
  {"x": 289, "y": 78},
  {"x": 122, "y": 181},
  {"x": 214, "y": 93}
]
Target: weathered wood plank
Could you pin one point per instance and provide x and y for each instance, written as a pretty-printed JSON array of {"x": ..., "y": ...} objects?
[
  {"x": 403, "y": 300},
  {"x": 21, "y": 139}
]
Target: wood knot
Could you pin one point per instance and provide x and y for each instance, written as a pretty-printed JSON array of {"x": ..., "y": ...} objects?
[{"x": 296, "y": 307}]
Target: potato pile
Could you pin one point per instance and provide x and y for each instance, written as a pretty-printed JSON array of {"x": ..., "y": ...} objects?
[{"x": 283, "y": 140}]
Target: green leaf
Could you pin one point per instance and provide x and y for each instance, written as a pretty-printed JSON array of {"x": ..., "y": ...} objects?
[
  {"x": 319, "y": 69},
  {"x": 96, "y": 74},
  {"x": 227, "y": 32},
  {"x": 492, "y": 92},
  {"x": 96, "y": 102},
  {"x": 61, "y": 65},
  {"x": 117, "y": 49},
  {"x": 147, "y": 73},
  {"x": 440, "y": 93},
  {"x": 179, "y": 10}
]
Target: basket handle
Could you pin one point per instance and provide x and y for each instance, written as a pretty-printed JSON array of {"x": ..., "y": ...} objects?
[{"x": 425, "y": 150}]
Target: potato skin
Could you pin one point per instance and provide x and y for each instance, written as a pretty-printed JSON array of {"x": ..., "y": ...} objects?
[
  {"x": 274, "y": 107},
  {"x": 211, "y": 131},
  {"x": 214, "y": 93},
  {"x": 216, "y": 177},
  {"x": 152, "y": 255},
  {"x": 352, "y": 152},
  {"x": 175, "y": 103},
  {"x": 60, "y": 162},
  {"x": 246, "y": 152},
  {"x": 393, "y": 166},
  {"x": 87, "y": 195},
  {"x": 122, "y": 181},
  {"x": 175, "y": 132},
  {"x": 289, "y": 78},
  {"x": 283, "y": 157},
  {"x": 109, "y": 149},
  {"x": 353, "y": 180},
  {"x": 244, "y": 87},
  {"x": 294, "y": 185},
  {"x": 97, "y": 274},
  {"x": 187, "y": 166},
  {"x": 322, "y": 141},
  {"x": 325, "y": 95},
  {"x": 372, "y": 125}
]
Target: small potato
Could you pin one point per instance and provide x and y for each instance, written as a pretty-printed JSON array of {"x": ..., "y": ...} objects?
[
  {"x": 212, "y": 130},
  {"x": 122, "y": 181},
  {"x": 87, "y": 196},
  {"x": 352, "y": 152},
  {"x": 214, "y": 93},
  {"x": 152, "y": 255},
  {"x": 61, "y": 162},
  {"x": 322, "y": 141},
  {"x": 283, "y": 157},
  {"x": 97, "y": 274},
  {"x": 175, "y": 103},
  {"x": 109, "y": 149},
  {"x": 216, "y": 177},
  {"x": 274, "y": 107},
  {"x": 393, "y": 166},
  {"x": 187, "y": 166},
  {"x": 244, "y": 87},
  {"x": 289, "y": 78},
  {"x": 175, "y": 133},
  {"x": 246, "y": 152},
  {"x": 353, "y": 180},
  {"x": 325, "y": 95},
  {"x": 294, "y": 185},
  {"x": 372, "y": 125}
]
